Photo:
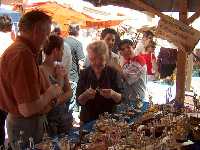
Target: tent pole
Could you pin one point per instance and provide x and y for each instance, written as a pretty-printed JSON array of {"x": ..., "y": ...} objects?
[
  {"x": 189, "y": 68},
  {"x": 181, "y": 59}
]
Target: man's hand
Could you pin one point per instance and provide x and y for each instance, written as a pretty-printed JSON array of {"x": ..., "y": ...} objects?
[
  {"x": 86, "y": 96},
  {"x": 90, "y": 93},
  {"x": 107, "y": 93}
]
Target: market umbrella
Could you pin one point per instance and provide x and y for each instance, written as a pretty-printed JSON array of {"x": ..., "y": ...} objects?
[{"x": 64, "y": 15}]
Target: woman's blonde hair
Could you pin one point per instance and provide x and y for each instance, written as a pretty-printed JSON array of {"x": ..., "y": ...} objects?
[{"x": 99, "y": 48}]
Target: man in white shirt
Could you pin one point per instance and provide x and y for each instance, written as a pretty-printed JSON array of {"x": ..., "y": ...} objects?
[
  {"x": 67, "y": 57},
  {"x": 108, "y": 35},
  {"x": 73, "y": 50}
]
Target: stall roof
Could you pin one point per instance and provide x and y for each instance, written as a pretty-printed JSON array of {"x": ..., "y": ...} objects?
[
  {"x": 64, "y": 15},
  {"x": 161, "y": 5}
]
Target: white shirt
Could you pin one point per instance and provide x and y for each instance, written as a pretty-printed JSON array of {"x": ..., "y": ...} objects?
[
  {"x": 139, "y": 48},
  {"x": 114, "y": 59},
  {"x": 67, "y": 57},
  {"x": 5, "y": 41}
]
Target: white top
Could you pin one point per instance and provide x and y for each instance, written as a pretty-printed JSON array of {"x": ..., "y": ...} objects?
[
  {"x": 67, "y": 57},
  {"x": 114, "y": 60},
  {"x": 139, "y": 48},
  {"x": 5, "y": 40}
]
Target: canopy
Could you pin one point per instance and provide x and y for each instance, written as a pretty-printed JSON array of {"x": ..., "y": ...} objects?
[
  {"x": 64, "y": 15},
  {"x": 161, "y": 5}
]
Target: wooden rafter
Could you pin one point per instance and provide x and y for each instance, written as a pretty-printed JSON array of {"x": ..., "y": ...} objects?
[
  {"x": 133, "y": 4},
  {"x": 147, "y": 7},
  {"x": 193, "y": 17}
]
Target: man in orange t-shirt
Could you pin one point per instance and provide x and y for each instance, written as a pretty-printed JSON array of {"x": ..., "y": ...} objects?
[{"x": 24, "y": 93}]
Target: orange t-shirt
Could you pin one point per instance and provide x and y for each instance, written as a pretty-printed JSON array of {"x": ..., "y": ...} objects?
[{"x": 20, "y": 77}]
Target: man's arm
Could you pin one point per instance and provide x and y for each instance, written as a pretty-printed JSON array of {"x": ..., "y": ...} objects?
[
  {"x": 26, "y": 85},
  {"x": 40, "y": 105}
]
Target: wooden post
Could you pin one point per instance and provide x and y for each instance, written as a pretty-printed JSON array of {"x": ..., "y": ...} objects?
[
  {"x": 189, "y": 68},
  {"x": 181, "y": 59}
]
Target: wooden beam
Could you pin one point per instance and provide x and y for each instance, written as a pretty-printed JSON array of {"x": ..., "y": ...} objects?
[
  {"x": 189, "y": 68},
  {"x": 133, "y": 4},
  {"x": 193, "y": 17},
  {"x": 181, "y": 59},
  {"x": 147, "y": 7}
]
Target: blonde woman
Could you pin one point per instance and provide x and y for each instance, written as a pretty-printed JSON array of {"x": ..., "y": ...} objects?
[
  {"x": 98, "y": 87},
  {"x": 59, "y": 119}
]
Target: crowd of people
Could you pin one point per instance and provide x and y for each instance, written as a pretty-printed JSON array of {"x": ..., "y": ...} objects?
[{"x": 33, "y": 92}]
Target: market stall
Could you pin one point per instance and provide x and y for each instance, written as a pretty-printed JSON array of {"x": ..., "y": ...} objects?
[
  {"x": 161, "y": 127},
  {"x": 166, "y": 126}
]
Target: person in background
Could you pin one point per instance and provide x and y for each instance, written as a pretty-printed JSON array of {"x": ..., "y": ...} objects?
[
  {"x": 5, "y": 33},
  {"x": 67, "y": 56},
  {"x": 98, "y": 89},
  {"x": 108, "y": 35},
  {"x": 117, "y": 41},
  {"x": 150, "y": 58},
  {"x": 24, "y": 92},
  {"x": 166, "y": 61},
  {"x": 6, "y": 41},
  {"x": 140, "y": 47},
  {"x": 76, "y": 51},
  {"x": 77, "y": 60},
  {"x": 56, "y": 31},
  {"x": 134, "y": 72},
  {"x": 58, "y": 121}
]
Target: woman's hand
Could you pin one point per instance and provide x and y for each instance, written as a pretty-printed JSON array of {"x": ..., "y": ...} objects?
[{"x": 54, "y": 91}]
